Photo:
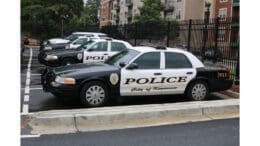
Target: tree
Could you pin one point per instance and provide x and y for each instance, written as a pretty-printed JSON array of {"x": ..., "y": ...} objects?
[
  {"x": 150, "y": 11},
  {"x": 43, "y": 18},
  {"x": 91, "y": 11}
]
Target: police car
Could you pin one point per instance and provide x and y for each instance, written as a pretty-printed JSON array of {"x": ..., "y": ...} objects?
[
  {"x": 139, "y": 71},
  {"x": 92, "y": 51}
]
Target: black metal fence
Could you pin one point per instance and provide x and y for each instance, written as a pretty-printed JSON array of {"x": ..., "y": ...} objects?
[{"x": 212, "y": 40}]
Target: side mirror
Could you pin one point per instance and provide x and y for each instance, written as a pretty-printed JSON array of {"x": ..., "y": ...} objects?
[
  {"x": 122, "y": 64},
  {"x": 132, "y": 66}
]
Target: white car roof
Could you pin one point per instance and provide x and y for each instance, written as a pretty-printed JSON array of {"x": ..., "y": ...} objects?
[
  {"x": 115, "y": 40},
  {"x": 94, "y": 33},
  {"x": 194, "y": 60}
]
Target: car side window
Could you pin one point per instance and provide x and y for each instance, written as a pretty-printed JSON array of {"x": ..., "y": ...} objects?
[
  {"x": 116, "y": 46},
  {"x": 149, "y": 60},
  {"x": 99, "y": 47},
  {"x": 176, "y": 60}
]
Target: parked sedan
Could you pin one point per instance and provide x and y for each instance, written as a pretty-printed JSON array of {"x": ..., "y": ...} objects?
[
  {"x": 93, "y": 51},
  {"x": 140, "y": 71}
]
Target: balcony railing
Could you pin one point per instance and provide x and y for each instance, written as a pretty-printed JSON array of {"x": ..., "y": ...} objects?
[
  {"x": 115, "y": 7},
  {"x": 128, "y": 14},
  {"x": 169, "y": 6}
]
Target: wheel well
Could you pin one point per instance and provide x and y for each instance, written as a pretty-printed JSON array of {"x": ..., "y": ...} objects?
[{"x": 195, "y": 80}]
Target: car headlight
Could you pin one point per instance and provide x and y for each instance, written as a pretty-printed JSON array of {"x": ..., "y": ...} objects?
[
  {"x": 47, "y": 48},
  {"x": 62, "y": 80},
  {"x": 51, "y": 57},
  {"x": 79, "y": 56}
]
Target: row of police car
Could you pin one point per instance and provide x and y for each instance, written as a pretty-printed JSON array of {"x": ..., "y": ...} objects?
[{"x": 96, "y": 68}]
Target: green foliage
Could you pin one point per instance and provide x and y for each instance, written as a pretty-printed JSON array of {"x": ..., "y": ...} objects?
[
  {"x": 42, "y": 18},
  {"x": 150, "y": 11}
]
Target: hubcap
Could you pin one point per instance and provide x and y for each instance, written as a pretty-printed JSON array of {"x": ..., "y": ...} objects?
[
  {"x": 199, "y": 92},
  {"x": 95, "y": 95}
]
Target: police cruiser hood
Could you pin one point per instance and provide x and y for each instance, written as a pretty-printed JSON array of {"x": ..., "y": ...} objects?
[
  {"x": 62, "y": 51},
  {"x": 84, "y": 69},
  {"x": 58, "y": 41}
]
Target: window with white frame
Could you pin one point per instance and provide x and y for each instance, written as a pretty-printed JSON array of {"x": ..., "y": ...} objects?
[{"x": 222, "y": 14}]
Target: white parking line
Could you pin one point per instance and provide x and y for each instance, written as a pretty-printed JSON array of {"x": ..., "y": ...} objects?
[
  {"x": 27, "y": 87},
  {"x": 26, "y": 98},
  {"x": 30, "y": 136},
  {"x": 32, "y": 88},
  {"x": 32, "y": 74}
]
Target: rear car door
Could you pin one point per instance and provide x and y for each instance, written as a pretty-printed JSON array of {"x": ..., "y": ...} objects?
[
  {"x": 96, "y": 53},
  {"x": 179, "y": 72},
  {"x": 143, "y": 80}
]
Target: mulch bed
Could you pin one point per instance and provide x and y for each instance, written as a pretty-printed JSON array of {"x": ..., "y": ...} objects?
[{"x": 235, "y": 88}]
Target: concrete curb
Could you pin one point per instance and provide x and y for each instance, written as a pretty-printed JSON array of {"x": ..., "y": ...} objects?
[
  {"x": 230, "y": 93},
  {"x": 94, "y": 119}
]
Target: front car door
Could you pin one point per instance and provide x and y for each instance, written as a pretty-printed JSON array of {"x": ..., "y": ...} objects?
[
  {"x": 98, "y": 52},
  {"x": 145, "y": 79}
]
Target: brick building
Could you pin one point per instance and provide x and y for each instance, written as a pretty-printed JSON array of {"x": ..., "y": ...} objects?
[{"x": 105, "y": 13}]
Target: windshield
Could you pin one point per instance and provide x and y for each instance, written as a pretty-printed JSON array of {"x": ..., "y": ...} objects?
[
  {"x": 86, "y": 45},
  {"x": 73, "y": 37},
  {"x": 123, "y": 56}
]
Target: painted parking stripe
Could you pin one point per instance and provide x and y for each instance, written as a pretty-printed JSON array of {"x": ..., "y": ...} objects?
[
  {"x": 27, "y": 87},
  {"x": 31, "y": 136},
  {"x": 33, "y": 88},
  {"x": 26, "y": 98}
]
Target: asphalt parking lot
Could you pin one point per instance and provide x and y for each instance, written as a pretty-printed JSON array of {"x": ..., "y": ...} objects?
[{"x": 34, "y": 99}]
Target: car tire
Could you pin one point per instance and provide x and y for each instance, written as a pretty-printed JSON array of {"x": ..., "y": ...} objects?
[
  {"x": 94, "y": 94},
  {"x": 68, "y": 61},
  {"x": 197, "y": 91}
]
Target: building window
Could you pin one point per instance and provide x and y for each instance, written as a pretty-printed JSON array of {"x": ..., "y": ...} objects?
[
  {"x": 178, "y": 14},
  {"x": 221, "y": 33},
  {"x": 222, "y": 14},
  {"x": 178, "y": 0},
  {"x": 223, "y": 1}
]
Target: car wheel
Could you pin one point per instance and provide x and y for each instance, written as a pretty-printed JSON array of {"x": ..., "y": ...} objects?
[
  {"x": 94, "y": 94},
  {"x": 68, "y": 61},
  {"x": 197, "y": 91}
]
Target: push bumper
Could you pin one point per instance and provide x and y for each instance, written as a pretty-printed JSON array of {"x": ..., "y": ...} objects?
[{"x": 49, "y": 84}]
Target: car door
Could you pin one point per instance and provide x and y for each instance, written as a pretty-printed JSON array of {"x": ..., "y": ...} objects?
[
  {"x": 98, "y": 52},
  {"x": 116, "y": 47},
  {"x": 178, "y": 72},
  {"x": 143, "y": 80}
]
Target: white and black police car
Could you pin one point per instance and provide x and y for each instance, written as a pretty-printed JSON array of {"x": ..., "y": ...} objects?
[
  {"x": 139, "y": 71},
  {"x": 97, "y": 50}
]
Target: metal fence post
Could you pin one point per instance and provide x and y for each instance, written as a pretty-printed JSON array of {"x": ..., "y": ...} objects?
[
  {"x": 135, "y": 32},
  {"x": 237, "y": 68},
  {"x": 189, "y": 35},
  {"x": 168, "y": 33},
  {"x": 216, "y": 40}
]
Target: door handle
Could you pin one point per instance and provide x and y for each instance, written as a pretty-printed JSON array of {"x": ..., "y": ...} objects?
[
  {"x": 105, "y": 54},
  {"x": 157, "y": 74},
  {"x": 189, "y": 73}
]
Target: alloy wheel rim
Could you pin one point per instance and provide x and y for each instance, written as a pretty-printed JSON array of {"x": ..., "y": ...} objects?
[
  {"x": 95, "y": 95},
  {"x": 199, "y": 91}
]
